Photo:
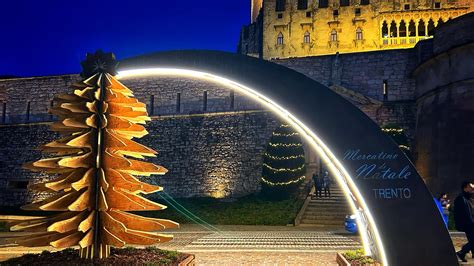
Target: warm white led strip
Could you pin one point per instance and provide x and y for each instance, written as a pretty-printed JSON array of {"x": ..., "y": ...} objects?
[{"x": 345, "y": 181}]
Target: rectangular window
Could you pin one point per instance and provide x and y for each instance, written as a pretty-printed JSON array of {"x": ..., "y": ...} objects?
[
  {"x": 406, "y": 7},
  {"x": 204, "y": 100},
  {"x": 335, "y": 13},
  {"x": 385, "y": 90},
  {"x": 344, "y": 2},
  {"x": 357, "y": 12},
  {"x": 437, "y": 5},
  {"x": 178, "y": 102},
  {"x": 323, "y": 3},
  {"x": 280, "y": 5},
  {"x": 152, "y": 104},
  {"x": 4, "y": 113},
  {"x": 302, "y": 4},
  {"x": 28, "y": 111},
  {"x": 308, "y": 14},
  {"x": 51, "y": 104},
  {"x": 364, "y": 2},
  {"x": 306, "y": 38},
  {"x": 232, "y": 100},
  {"x": 280, "y": 15},
  {"x": 17, "y": 184}
]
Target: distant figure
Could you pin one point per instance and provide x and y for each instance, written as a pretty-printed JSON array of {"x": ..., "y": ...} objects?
[
  {"x": 317, "y": 185},
  {"x": 326, "y": 184},
  {"x": 463, "y": 218},
  {"x": 445, "y": 204}
]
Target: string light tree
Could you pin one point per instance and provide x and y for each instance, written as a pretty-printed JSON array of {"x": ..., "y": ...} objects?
[
  {"x": 283, "y": 164},
  {"x": 96, "y": 185}
]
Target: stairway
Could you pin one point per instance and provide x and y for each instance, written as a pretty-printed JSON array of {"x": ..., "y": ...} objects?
[{"x": 324, "y": 212}]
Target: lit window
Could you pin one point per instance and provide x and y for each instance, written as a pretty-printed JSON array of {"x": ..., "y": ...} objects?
[
  {"x": 280, "y": 39},
  {"x": 307, "y": 37},
  {"x": 359, "y": 34},
  {"x": 333, "y": 36}
]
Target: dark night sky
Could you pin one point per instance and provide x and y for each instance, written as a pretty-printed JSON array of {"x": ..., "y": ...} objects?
[{"x": 50, "y": 37}]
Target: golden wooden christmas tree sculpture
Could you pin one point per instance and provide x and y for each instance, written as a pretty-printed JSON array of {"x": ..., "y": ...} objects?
[{"x": 96, "y": 183}]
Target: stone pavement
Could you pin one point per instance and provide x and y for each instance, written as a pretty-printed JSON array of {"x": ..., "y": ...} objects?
[
  {"x": 243, "y": 245},
  {"x": 250, "y": 245}
]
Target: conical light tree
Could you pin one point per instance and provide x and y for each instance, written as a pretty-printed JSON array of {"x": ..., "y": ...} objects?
[
  {"x": 96, "y": 163},
  {"x": 283, "y": 164}
]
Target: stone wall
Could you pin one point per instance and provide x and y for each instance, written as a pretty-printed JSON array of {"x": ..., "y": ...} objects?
[
  {"x": 28, "y": 99},
  {"x": 207, "y": 155},
  {"x": 445, "y": 108},
  {"x": 363, "y": 72}
]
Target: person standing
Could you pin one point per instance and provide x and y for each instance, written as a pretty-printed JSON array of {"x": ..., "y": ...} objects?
[
  {"x": 317, "y": 185},
  {"x": 326, "y": 184},
  {"x": 463, "y": 218}
]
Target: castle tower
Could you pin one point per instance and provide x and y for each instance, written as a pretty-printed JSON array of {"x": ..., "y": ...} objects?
[{"x": 255, "y": 9}]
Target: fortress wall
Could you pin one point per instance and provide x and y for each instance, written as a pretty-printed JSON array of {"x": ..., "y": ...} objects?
[
  {"x": 207, "y": 155},
  {"x": 38, "y": 92},
  {"x": 363, "y": 72}
]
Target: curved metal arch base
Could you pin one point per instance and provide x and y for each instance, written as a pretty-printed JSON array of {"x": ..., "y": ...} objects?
[{"x": 380, "y": 183}]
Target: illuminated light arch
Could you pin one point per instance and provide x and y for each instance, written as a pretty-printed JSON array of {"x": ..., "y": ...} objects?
[{"x": 396, "y": 214}]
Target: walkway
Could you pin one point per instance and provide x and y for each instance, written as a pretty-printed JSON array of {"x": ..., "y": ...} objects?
[
  {"x": 244, "y": 245},
  {"x": 249, "y": 245}
]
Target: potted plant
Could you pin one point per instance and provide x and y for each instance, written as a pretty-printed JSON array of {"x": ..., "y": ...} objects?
[{"x": 357, "y": 258}]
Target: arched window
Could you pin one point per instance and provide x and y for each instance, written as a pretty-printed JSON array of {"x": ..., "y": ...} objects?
[
  {"x": 440, "y": 22},
  {"x": 431, "y": 27},
  {"x": 359, "y": 34},
  {"x": 402, "y": 29},
  {"x": 421, "y": 28},
  {"x": 384, "y": 29},
  {"x": 307, "y": 37},
  {"x": 333, "y": 36},
  {"x": 411, "y": 29},
  {"x": 280, "y": 39},
  {"x": 393, "y": 29}
]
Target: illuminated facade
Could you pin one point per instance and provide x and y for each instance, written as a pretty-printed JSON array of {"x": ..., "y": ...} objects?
[{"x": 299, "y": 28}]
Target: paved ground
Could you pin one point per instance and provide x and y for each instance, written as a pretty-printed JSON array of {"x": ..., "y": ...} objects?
[
  {"x": 251, "y": 245},
  {"x": 245, "y": 245}
]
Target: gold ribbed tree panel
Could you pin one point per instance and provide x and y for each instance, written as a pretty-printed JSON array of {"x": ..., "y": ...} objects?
[{"x": 96, "y": 163}]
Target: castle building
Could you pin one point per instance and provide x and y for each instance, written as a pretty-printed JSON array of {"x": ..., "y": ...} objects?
[{"x": 299, "y": 28}]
